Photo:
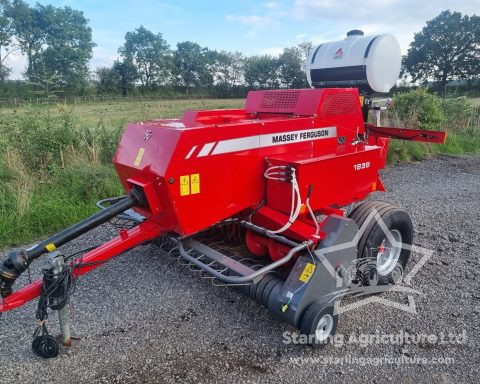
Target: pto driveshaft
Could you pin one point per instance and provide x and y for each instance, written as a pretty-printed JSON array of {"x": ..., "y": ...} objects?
[{"x": 18, "y": 260}]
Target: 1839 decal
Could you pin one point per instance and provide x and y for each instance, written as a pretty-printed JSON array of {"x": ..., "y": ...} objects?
[{"x": 360, "y": 166}]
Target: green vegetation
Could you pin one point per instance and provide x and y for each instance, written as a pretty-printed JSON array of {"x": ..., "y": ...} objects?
[
  {"x": 445, "y": 49},
  {"x": 57, "y": 43},
  {"x": 55, "y": 162},
  {"x": 475, "y": 101},
  {"x": 420, "y": 110}
]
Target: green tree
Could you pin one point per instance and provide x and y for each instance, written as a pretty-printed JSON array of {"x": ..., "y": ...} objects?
[
  {"x": 26, "y": 22},
  {"x": 192, "y": 66},
  {"x": 6, "y": 32},
  {"x": 262, "y": 72},
  {"x": 228, "y": 70},
  {"x": 304, "y": 49},
  {"x": 150, "y": 54},
  {"x": 125, "y": 74},
  {"x": 108, "y": 80},
  {"x": 67, "y": 45},
  {"x": 447, "y": 48},
  {"x": 57, "y": 42},
  {"x": 46, "y": 83},
  {"x": 290, "y": 64}
]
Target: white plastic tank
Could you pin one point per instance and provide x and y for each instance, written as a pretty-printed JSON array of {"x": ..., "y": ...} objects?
[{"x": 371, "y": 63}]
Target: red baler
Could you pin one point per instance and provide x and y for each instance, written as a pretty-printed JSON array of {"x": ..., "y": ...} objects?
[{"x": 277, "y": 176}]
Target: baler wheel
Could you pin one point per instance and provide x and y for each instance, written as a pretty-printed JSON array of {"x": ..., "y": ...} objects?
[
  {"x": 390, "y": 258},
  {"x": 319, "y": 324},
  {"x": 370, "y": 276}
]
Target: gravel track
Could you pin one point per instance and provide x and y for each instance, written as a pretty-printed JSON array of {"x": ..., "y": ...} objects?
[{"x": 142, "y": 318}]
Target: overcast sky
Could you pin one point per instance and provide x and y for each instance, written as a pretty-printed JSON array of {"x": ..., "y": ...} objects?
[{"x": 250, "y": 26}]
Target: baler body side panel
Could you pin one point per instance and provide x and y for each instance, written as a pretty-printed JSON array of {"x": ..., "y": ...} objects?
[{"x": 227, "y": 183}]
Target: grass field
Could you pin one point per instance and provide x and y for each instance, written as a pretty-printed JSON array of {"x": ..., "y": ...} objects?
[
  {"x": 55, "y": 161},
  {"x": 475, "y": 101},
  {"x": 119, "y": 113}
]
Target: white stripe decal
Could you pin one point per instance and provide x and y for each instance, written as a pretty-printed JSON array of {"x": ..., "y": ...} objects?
[
  {"x": 206, "y": 149},
  {"x": 191, "y": 152},
  {"x": 273, "y": 139},
  {"x": 174, "y": 124},
  {"x": 234, "y": 145}
]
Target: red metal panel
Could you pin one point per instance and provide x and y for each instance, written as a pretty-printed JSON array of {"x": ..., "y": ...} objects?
[
  {"x": 342, "y": 105},
  {"x": 271, "y": 218},
  {"x": 299, "y": 102},
  {"x": 338, "y": 179},
  {"x": 229, "y": 182},
  {"x": 408, "y": 134}
]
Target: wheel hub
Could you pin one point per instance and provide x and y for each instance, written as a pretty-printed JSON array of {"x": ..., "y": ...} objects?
[
  {"x": 324, "y": 327},
  {"x": 388, "y": 253}
]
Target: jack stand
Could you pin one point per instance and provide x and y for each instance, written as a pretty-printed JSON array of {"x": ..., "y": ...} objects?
[{"x": 57, "y": 262}]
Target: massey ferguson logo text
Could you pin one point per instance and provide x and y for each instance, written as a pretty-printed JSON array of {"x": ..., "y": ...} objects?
[
  {"x": 302, "y": 136},
  {"x": 338, "y": 54},
  {"x": 246, "y": 143},
  {"x": 147, "y": 135}
]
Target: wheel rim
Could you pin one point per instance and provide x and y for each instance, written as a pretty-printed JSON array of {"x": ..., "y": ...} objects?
[
  {"x": 324, "y": 327},
  {"x": 388, "y": 253}
]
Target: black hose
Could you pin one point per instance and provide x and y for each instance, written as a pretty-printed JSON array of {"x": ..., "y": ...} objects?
[{"x": 44, "y": 344}]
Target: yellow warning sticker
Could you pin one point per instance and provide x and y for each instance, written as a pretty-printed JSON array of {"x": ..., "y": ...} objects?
[
  {"x": 139, "y": 157},
  {"x": 50, "y": 247},
  {"x": 184, "y": 185},
  {"x": 362, "y": 99},
  {"x": 307, "y": 272},
  {"x": 195, "y": 183}
]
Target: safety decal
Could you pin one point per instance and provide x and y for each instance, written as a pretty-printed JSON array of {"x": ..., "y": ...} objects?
[
  {"x": 190, "y": 184},
  {"x": 139, "y": 157},
  {"x": 195, "y": 183},
  {"x": 184, "y": 185},
  {"x": 307, "y": 272}
]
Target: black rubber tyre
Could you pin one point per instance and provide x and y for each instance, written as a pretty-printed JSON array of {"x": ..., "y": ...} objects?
[
  {"x": 370, "y": 276},
  {"x": 397, "y": 221},
  {"x": 319, "y": 318}
]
